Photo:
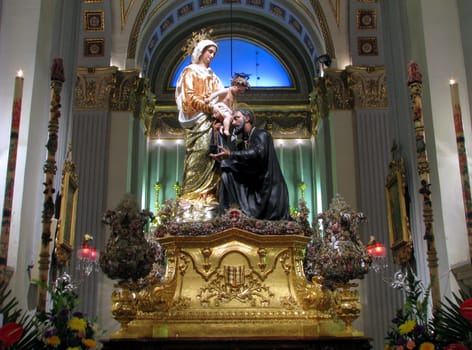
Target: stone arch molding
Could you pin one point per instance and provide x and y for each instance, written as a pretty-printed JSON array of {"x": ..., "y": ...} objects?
[
  {"x": 294, "y": 31},
  {"x": 296, "y": 22}
]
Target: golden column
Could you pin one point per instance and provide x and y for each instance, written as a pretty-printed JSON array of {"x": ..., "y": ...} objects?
[
  {"x": 415, "y": 83},
  {"x": 57, "y": 79}
]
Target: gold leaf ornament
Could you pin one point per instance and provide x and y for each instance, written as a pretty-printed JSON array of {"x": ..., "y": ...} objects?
[{"x": 204, "y": 34}]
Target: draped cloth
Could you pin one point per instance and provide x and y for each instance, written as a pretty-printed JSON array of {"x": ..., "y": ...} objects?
[
  {"x": 200, "y": 174},
  {"x": 252, "y": 180}
]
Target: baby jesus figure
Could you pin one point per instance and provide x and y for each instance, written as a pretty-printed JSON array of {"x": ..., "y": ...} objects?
[{"x": 225, "y": 99}]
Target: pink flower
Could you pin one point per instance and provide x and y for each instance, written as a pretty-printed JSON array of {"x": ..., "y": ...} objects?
[{"x": 410, "y": 344}]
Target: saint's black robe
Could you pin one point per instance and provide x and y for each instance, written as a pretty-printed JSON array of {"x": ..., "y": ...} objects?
[{"x": 252, "y": 180}]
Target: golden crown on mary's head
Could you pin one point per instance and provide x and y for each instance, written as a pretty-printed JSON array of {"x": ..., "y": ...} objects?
[{"x": 203, "y": 34}]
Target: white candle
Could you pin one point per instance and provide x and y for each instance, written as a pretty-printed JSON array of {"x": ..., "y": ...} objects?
[
  {"x": 455, "y": 96},
  {"x": 10, "y": 177},
  {"x": 462, "y": 154},
  {"x": 17, "y": 96}
]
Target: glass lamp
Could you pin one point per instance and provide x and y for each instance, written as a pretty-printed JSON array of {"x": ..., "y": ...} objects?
[
  {"x": 87, "y": 257},
  {"x": 378, "y": 252}
]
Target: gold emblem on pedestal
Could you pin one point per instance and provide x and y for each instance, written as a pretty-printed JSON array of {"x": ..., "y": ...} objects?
[{"x": 233, "y": 283}]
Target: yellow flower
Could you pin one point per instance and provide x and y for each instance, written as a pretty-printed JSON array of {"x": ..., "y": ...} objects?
[
  {"x": 74, "y": 348},
  {"x": 407, "y": 327},
  {"x": 77, "y": 324},
  {"x": 427, "y": 346},
  {"x": 90, "y": 343},
  {"x": 53, "y": 340}
]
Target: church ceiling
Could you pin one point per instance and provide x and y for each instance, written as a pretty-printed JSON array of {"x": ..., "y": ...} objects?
[{"x": 296, "y": 32}]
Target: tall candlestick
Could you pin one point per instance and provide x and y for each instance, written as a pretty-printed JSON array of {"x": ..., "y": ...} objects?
[
  {"x": 462, "y": 154},
  {"x": 10, "y": 178},
  {"x": 415, "y": 85}
]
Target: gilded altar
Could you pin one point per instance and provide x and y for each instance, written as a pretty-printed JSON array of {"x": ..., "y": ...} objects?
[{"x": 232, "y": 283}]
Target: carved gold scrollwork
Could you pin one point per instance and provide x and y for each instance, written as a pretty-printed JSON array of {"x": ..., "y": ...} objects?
[
  {"x": 368, "y": 86},
  {"x": 337, "y": 89},
  {"x": 93, "y": 86},
  {"x": 206, "y": 252},
  {"x": 290, "y": 122},
  {"x": 285, "y": 262},
  {"x": 314, "y": 296},
  {"x": 262, "y": 252},
  {"x": 157, "y": 295},
  {"x": 171, "y": 259},
  {"x": 288, "y": 302},
  {"x": 232, "y": 283},
  {"x": 354, "y": 87},
  {"x": 249, "y": 279},
  {"x": 123, "y": 85},
  {"x": 183, "y": 265}
]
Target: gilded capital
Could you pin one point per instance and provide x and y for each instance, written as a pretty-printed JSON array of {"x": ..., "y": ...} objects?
[
  {"x": 122, "y": 90},
  {"x": 93, "y": 87},
  {"x": 368, "y": 86},
  {"x": 337, "y": 89},
  {"x": 355, "y": 87}
]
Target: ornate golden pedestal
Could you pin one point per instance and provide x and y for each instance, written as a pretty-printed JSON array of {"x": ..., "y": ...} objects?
[{"x": 233, "y": 283}]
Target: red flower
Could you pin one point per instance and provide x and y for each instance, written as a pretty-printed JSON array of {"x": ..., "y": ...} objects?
[
  {"x": 466, "y": 309},
  {"x": 10, "y": 334}
]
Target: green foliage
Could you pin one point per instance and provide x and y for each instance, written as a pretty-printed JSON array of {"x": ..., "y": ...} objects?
[
  {"x": 415, "y": 327},
  {"x": 411, "y": 327},
  {"x": 450, "y": 325},
  {"x": 11, "y": 313}
]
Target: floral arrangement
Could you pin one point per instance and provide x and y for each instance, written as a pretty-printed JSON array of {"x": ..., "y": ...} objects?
[
  {"x": 449, "y": 327},
  {"x": 62, "y": 328},
  {"x": 336, "y": 252},
  {"x": 411, "y": 328},
  {"x": 233, "y": 217},
  {"x": 128, "y": 256}
]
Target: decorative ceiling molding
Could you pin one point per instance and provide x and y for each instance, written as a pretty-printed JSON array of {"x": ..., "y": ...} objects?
[
  {"x": 125, "y": 10},
  {"x": 335, "y": 7},
  {"x": 313, "y": 36},
  {"x": 133, "y": 38},
  {"x": 324, "y": 28}
]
